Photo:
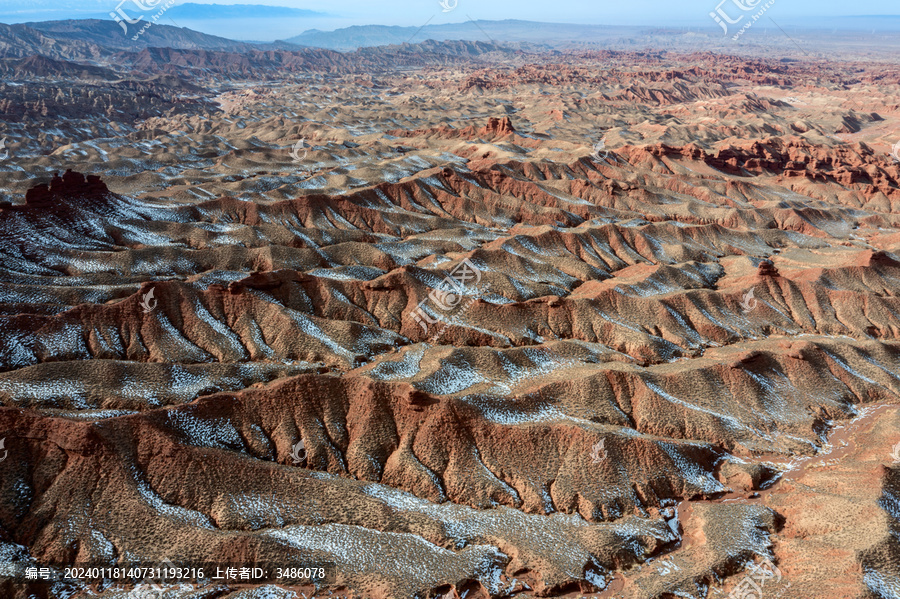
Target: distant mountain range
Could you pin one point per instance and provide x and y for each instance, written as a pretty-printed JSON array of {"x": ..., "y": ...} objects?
[
  {"x": 20, "y": 41},
  {"x": 556, "y": 35},
  {"x": 280, "y": 21},
  {"x": 351, "y": 38},
  {"x": 85, "y": 39},
  {"x": 109, "y": 34},
  {"x": 93, "y": 50}
]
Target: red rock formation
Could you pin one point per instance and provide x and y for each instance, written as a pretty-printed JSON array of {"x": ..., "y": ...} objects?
[
  {"x": 497, "y": 128},
  {"x": 71, "y": 185}
]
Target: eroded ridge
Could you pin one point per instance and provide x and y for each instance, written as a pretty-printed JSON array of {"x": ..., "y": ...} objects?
[{"x": 453, "y": 344}]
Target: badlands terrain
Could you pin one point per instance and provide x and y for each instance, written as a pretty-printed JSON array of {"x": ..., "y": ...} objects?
[{"x": 457, "y": 319}]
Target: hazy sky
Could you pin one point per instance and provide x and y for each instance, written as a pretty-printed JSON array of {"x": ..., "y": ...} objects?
[
  {"x": 414, "y": 12},
  {"x": 587, "y": 11}
]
